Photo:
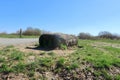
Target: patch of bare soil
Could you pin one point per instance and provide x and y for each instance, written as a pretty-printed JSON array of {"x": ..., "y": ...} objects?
[
  {"x": 31, "y": 48},
  {"x": 13, "y": 76},
  {"x": 99, "y": 45},
  {"x": 114, "y": 71}
]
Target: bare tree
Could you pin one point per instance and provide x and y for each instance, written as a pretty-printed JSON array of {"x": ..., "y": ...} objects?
[
  {"x": 85, "y": 36},
  {"x": 105, "y": 34},
  {"x": 32, "y": 31}
]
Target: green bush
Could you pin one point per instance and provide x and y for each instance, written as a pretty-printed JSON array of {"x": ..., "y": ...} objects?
[{"x": 32, "y": 31}]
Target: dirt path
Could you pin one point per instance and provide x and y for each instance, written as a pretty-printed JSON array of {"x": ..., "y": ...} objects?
[
  {"x": 16, "y": 41},
  {"x": 102, "y": 44}
]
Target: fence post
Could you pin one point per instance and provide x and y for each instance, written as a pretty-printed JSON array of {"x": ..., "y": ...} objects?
[{"x": 20, "y": 33}]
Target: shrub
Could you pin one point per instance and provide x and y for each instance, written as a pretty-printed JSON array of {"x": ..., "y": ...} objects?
[
  {"x": 85, "y": 36},
  {"x": 105, "y": 34},
  {"x": 108, "y": 35},
  {"x": 3, "y": 33},
  {"x": 32, "y": 31}
]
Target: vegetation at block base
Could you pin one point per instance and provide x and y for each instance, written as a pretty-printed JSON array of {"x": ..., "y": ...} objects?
[{"x": 96, "y": 59}]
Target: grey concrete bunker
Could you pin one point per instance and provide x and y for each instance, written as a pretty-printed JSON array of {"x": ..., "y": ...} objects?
[{"x": 53, "y": 41}]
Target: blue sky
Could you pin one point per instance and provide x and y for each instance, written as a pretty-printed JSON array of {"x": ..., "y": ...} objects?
[{"x": 66, "y": 16}]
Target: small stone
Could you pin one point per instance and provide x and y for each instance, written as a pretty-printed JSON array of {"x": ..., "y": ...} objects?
[
  {"x": 89, "y": 73},
  {"x": 31, "y": 58}
]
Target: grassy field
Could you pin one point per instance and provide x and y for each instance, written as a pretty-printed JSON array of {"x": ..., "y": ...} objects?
[
  {"x": 92, "y": 59},
  {"x": 16, "y": 36}
]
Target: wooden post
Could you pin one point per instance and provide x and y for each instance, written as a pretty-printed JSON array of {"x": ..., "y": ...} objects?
[{"x": 20, "y": 33}]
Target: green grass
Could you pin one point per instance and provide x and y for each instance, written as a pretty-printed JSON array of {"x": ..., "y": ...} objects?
[
  {"x": 108, "y": 41},
  {"x": 16, "y": 55},
  {"x": 51, "y": 54},
  {"x": 60, "y": 63},
  {"x": 2, "y": 59},
  {"x": 99, "y": 58},
  {"x": 64, "y": 47},
  {"x": 96, "y": 59},
  {"x": 16, "y": 36},
  {"x": 20, "y": 67},
  {"x": 46, "y": 62},
  {"x": 117, "y": 77},
  {"x": 5, "y": 68}
]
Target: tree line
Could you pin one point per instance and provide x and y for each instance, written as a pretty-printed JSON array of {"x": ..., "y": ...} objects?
[
  {"x": 30, "y": 31},
  {"x": 101, "y": 35}
]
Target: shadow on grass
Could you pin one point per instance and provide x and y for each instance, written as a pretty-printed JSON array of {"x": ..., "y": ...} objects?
[{"x": 40, "y": 48}]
